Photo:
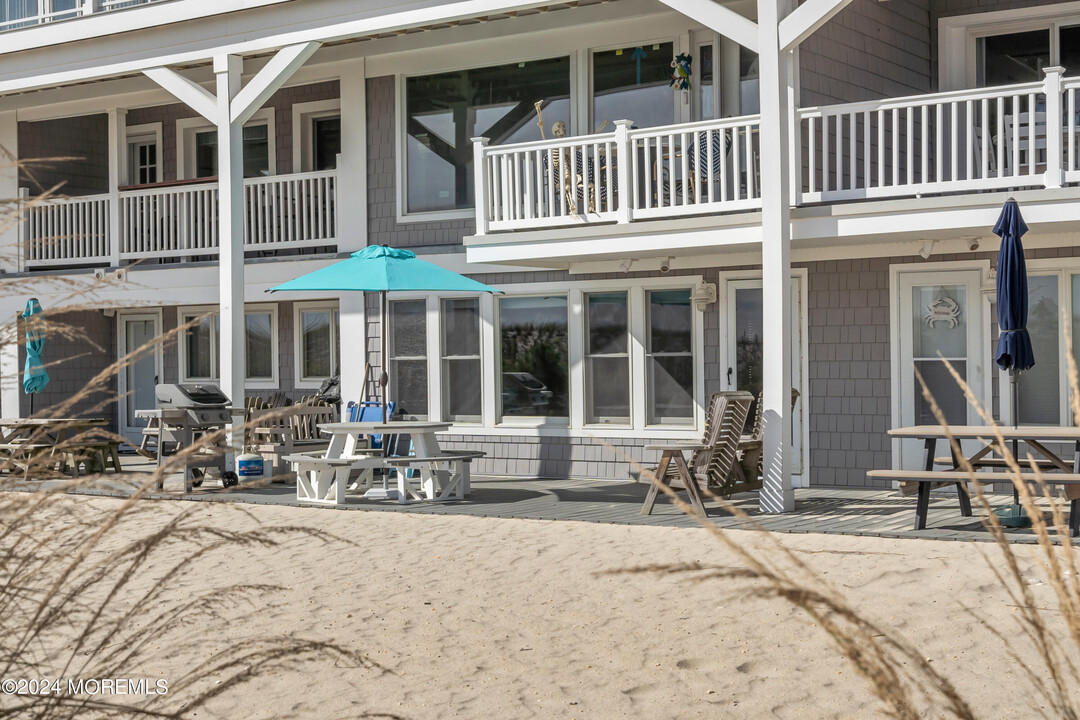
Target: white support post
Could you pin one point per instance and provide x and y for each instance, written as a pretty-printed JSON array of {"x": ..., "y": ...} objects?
[
  {"x": 12, "y": 249},
  {"x": 624, "y": 154},
  {"x": 1054, "y": 130},
  {"x": 483, "y": 188},
  {"x": 10, "y": 377},
  {"x": 230, "y": 147},
  {"x": 117, "y": 160},
  {"x": 352, "y": 163},
  {"x": 352, "y": 330},
  {"x": 777, "y": 494}
]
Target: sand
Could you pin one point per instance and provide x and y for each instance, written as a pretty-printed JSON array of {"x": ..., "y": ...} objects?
[{"x": 499, "y": 618}]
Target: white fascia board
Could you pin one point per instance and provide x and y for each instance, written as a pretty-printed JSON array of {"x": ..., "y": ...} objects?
[
  {"x": 275, "y": 28},
  {"x": 107, "y": 23}
]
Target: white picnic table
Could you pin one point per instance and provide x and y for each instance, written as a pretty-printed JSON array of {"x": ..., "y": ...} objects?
[{"x": 441, "y": 475}]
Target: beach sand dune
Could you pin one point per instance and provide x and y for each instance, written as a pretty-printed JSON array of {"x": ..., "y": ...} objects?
[{"x": 497, "y": 618}]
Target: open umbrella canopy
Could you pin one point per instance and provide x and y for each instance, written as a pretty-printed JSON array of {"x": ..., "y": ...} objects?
[
  {"x": 35, "y": 378},
  {"x": 378, "y": 268},
  {"x": 1014, "y": 350}
]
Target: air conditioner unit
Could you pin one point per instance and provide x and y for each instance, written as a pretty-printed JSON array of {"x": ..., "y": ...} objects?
[{"x": 703, "y": 295}]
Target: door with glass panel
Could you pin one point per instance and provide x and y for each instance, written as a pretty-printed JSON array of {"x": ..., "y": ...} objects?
[
  {"x": 745, "y": 353},
  {"x": 941, "y": 319},
  {"x": 140, "y": 375}
]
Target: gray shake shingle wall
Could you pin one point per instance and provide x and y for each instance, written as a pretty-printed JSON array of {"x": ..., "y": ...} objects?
[
  {"x": 870, "y": 50},
  {"x": 84, "y": 140}
]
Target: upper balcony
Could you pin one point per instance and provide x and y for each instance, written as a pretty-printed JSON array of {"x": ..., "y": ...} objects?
[
  {"x": 175, "y": 221},
  {"x": 1010, "y": 137},
  {"x": 15, "y": 16}
]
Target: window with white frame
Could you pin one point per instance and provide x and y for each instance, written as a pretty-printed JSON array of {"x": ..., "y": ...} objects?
[
  {"x": 200, "y": 342},
  {"x": 669, "y": 357},
  {"x": 533, "y": 356},
  {"x": 462, "y": 393},
  {"x": 316, "y": 135},
  {"x": 407, "y": 363},
  {"x": 197, "y": 147},
  {"x": 318, "y": 347},
  {"x": 607, "y": 358},
  {"x": 443, "y": 112}
]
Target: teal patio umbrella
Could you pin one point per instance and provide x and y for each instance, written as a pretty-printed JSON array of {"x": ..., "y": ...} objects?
[
  {"x": 35, "y": 377},
  {"x": 382, "y": 269}
]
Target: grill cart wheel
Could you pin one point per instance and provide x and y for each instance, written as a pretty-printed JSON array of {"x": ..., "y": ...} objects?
[{"x": 229, "y": 479}]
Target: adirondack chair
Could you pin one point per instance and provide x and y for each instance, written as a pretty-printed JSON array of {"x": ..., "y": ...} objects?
[
  {"x": 746, "y": 473},
  {"x": 277, "y": 432},
  {"x": 711, "y": 461}
]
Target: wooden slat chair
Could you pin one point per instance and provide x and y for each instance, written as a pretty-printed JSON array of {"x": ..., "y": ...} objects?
[
  {"x": 278, "y": 432},
  {"x": 711, "y": 461},
  {"x": 748, "y": 471}
]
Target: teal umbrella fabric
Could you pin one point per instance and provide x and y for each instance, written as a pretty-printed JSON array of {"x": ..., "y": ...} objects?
[
  {"x": 35, "y": 377},
  {"x": 378, "y": 268},
  {"x": 382, "y": 269}
]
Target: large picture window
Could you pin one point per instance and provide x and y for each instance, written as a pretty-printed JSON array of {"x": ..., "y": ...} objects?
[
  {"x": 408, "y": 357},
  {"x": 533, "y": 357},
  {"x": 669, "y": 357},
  {"x": 461, "y": 395},
  {"x": 444, "y": 112},
  {"x": 607, "y": 358},
  {"x": 632, "y": 83}
]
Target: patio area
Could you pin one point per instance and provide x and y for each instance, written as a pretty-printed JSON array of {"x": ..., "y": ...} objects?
[{"x": 827, "y": 510}]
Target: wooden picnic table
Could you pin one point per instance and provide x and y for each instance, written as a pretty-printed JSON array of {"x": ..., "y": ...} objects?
[
  {"x": 1060, "y": 470},
  {"x": 22, "y": 439}
]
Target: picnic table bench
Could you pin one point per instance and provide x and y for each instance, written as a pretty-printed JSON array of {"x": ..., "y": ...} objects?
[{"x": 983, "y": 462}]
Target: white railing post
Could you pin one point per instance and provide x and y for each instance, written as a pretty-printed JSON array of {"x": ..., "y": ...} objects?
[
  {"x": 1054, "y": 130},
  {"x": 480, "y": 190},
  {"x": 624, "y": 153}
]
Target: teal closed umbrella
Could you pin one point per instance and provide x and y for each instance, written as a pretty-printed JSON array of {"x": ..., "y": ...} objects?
[
  {"x": 382, "y": 269},
  {"x": 35, "y": 377}
]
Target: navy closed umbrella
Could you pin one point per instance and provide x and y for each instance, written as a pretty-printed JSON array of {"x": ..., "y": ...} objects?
[{"x": 1014, "y": 352}]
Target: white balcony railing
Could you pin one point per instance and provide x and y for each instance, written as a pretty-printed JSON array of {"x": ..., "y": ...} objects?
[
  {"x": 181, "y": 221},
  {"x": 68, "y": 232},
  {"x": 1017, "y": 136},
  {"x": 41, "y": 12},
  {"x": 618, "y": 177}
]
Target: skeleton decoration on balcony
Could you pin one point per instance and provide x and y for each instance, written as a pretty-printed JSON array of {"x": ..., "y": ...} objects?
[
  {"x": 569, "y": 169},
  {"x": 943, "y": 309}
]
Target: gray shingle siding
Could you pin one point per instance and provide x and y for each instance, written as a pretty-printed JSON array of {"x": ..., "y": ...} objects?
[
  {"x": 83, "y": 142},
  {"x": 870, "y": 50}
]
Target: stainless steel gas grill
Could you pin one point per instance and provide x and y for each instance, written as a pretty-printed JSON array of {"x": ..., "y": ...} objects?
[{"x": 185, "y": 413}]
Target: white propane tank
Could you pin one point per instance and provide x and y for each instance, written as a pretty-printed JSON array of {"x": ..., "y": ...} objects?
[{"x": 249, "y": 466}]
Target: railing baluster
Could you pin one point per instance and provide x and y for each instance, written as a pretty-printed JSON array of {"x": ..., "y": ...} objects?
[
  {"x": 910, "y": 145},
  {"x": 811, "y": 155},
  {"x": 924, "y": 143},
  {"x": 826, "y": 163},
  {"x": 1032, "y": 154}
]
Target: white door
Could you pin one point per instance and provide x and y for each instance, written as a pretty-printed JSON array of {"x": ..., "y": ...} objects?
[
  {"x": 139, "y": 376},
  {"x": 940, "y": 318},
  {"x": 743, "y": 346}
]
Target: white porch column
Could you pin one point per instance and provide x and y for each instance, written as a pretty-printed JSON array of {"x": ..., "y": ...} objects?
[
  {"x": 11, "y": 249},
  {"x": 777, "y": 101},
  {"x": 230, "y": 159},
  {"x": 352, "y": 166},
  {"x": 353, "y": 334},
  {"x": 10, "y": 375},
  {"x": 117, "y": 161}
]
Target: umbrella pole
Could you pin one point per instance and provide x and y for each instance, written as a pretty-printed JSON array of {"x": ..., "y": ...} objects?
[
  {"x": 383, "y": 361},
  {"x": 1014, "y": 377}
]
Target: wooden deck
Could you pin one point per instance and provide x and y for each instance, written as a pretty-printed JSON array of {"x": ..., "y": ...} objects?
[{"x": 883, "y": 513}]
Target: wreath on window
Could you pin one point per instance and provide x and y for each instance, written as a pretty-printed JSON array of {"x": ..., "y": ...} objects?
[{"x": 680, "y": 72}]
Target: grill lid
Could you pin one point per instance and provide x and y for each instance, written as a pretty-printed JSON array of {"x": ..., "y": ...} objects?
[{"x": 190, "y": 395}]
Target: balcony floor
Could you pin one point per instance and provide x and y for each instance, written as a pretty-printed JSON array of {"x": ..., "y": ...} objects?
[{"x": 834, "y": 511}]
